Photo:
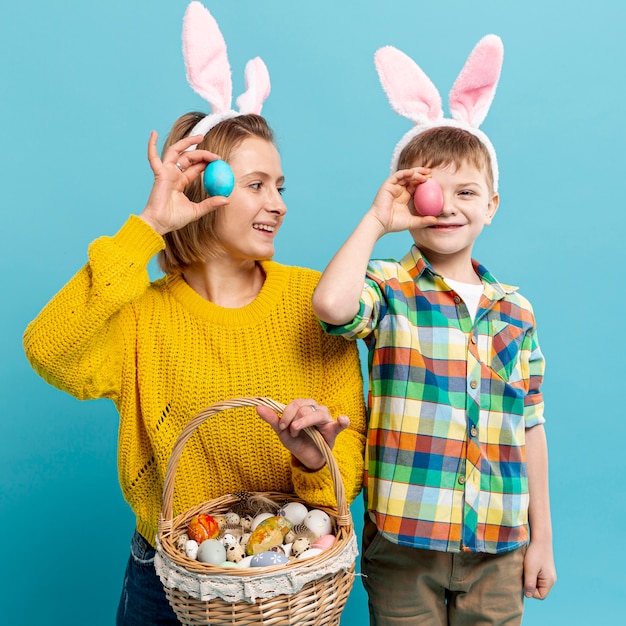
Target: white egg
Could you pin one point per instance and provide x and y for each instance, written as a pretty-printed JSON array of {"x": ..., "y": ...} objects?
[
  {"x": 318, "y": 522},
  {"x": 259, "y": 518},
  {"x": 211, "y": 551},
  {"x": 295, "y": 512},
  {"x": 307, "y": 554},
  {"x": 245, "y": 562},
  {"x": 191, "y": 549}
]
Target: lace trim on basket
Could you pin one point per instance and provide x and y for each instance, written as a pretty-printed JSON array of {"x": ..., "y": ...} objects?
[{"x": 250, "y": 588}]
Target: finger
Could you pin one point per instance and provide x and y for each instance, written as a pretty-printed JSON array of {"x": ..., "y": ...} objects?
[
  {"x": 269, "y": 416},
  {"x": 153, "y": 154},
  {"x": 530, "y": 585}
]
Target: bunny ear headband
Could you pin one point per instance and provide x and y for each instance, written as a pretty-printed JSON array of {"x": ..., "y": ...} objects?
[
  {"x": 412, "y": 94},
  {"x": 208, "y": 71}
]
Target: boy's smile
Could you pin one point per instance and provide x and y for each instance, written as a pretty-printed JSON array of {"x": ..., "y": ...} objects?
[{"x": 469, "y": 206}]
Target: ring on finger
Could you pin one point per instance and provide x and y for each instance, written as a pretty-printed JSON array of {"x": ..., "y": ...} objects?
[
  {"x": 180, "y": 167},
  {"x": 313, "y": 407}
]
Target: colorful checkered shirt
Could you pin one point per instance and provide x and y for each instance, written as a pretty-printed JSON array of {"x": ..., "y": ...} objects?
[{"x": 449, "y": 403}]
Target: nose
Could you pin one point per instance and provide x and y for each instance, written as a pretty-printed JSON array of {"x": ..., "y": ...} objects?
[
  {"x": 448, "y": 207},
  {"x": 275, "y": 203}
]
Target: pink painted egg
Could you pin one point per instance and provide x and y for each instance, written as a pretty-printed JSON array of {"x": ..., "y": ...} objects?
[
  {"x": 428, "y": 198},
  {"x": 325, "y": 542}
]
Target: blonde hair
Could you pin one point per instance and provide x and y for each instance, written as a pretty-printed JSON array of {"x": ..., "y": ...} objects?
[
  {"x": 447, "y": 145},
  {"x": 197, "y": 241}
]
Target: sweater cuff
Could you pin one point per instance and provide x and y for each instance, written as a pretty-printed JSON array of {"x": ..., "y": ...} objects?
[
  {"x": 139, "y": 241},
  {"x": 315, "y": 488}
]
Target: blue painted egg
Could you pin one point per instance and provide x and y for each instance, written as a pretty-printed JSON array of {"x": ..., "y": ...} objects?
[
  {"x": 218, "y": 179},
  {"x": 265, "y": 559}
]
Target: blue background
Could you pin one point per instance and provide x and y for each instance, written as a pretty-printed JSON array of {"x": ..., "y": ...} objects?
[{"x": 83, "y": 84}]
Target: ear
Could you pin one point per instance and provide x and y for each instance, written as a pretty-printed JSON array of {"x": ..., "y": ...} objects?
[
  {"x": 257, "y": 81},
  {"x": 475, "y": 87},
  {"x": 492, "y": 209},
  {"x": 206, "y": 61},
  {"x": 409, "y": 91}
]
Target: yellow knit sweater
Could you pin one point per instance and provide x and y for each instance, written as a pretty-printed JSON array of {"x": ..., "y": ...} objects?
[{"x": 162, "y": 353}]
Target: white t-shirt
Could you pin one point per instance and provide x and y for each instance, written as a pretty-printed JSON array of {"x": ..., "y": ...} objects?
[{"x": 469, "y": 292}]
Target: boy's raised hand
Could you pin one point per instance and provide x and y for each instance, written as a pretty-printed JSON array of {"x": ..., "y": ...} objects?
[
  {"x": 168, "y": 208},
  {"x": 393, "y": 205}
]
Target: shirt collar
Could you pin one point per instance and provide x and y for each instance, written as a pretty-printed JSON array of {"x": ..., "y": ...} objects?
[{"x": 417, "y": 266}]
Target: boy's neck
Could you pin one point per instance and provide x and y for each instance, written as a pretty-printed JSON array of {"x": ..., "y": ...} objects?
[{"x": 455, "y": 267}]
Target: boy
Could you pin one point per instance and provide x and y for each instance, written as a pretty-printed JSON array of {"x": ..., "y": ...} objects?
[{"x": 456, "y": 462}]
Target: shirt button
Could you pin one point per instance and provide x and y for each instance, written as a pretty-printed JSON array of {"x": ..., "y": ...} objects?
[
  {"x": 473, "y": 431},
  {"x": 473, "y": 340},
  {"x": 457, "y": 299},
  {"x": 461, "y": 480},
  {"x": 473, "y": 384}
]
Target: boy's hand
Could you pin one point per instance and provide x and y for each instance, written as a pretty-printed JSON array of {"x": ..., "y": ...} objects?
[
  {"x": 539, "y": 571},
  {"x": 393, "y": 204}
]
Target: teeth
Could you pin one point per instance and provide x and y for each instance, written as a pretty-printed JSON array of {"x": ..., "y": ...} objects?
[{"x": 265, "y": 227}]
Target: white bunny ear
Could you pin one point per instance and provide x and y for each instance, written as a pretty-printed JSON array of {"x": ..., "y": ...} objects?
[
  {"x": 257, "y": 81},
  {"x": 410, "y": 92},
  {"x": 475, "y": 87},
  {"x": 206, "y": 61}
]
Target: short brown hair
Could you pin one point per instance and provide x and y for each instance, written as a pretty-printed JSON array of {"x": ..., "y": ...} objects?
[
  {"x": 447, "y": 145},
  {"x": 196, "y": 242}
]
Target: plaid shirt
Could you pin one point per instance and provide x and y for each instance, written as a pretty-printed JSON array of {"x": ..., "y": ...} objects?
[{"x": 449, "y": 403}]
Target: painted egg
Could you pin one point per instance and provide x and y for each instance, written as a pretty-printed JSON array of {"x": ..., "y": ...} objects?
[
  {"x": 229, "y": 564},
  {"x": 325, "y": 542},
  {"x": 268, "y": 534},
  {"x": 265, "y": 559},
  {"x": 307, "y": 554},
  {"x": 428, "y": 198},
  {"x": 218, "y": 179},
  {"x": 295, "y": 512},
  {"x": 202, "y": 527},
  {"x": 318, "y": 522},
  {"x": 212, "y": 552}
]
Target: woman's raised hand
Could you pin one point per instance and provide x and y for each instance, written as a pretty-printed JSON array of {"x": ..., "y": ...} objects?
[{"x": 168, "y": 208}]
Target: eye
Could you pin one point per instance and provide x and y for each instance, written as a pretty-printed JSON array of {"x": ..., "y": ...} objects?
[
  {"x": 281, "y": 190},
  {"x": 255, "y": 186}
]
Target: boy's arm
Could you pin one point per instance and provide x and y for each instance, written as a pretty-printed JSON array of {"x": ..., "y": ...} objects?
[
  {"x": 539, "y": 569},
  {"x": 337, "y": 295}
]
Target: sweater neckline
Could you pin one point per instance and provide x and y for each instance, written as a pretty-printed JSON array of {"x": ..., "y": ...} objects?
[{"x": 253, "y": 312}]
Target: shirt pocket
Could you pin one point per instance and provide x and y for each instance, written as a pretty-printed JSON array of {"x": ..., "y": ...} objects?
[{"x": 500, "y": 351}]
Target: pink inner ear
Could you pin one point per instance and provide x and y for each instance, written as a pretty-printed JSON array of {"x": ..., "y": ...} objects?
[
  {"x": 410, "y": 92},
  {"x": 204, "y": 50},
  {"x": 257, "y": 80},
  {"x": 474, "y": 89}
]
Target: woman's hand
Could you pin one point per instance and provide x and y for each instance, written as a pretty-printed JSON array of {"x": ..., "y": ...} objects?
[
  {"x": 168, "y": 208},
  {"x": 297, "y": 415}
]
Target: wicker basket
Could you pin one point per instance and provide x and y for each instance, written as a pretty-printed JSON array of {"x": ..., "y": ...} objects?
[{"x": 312, "y": 592}]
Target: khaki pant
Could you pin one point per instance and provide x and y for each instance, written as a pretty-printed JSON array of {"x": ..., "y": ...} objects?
[{"x": 410, "y": 587}]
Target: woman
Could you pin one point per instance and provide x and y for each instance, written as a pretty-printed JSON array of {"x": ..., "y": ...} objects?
[{"x": 224, "y": 322}]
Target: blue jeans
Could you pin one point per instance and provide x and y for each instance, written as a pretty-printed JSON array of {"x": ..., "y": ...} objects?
[{"x": 143, "y": 601}]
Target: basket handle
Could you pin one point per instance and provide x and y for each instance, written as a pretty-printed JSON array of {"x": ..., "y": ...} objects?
[{"x": 343, "y": 518}]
